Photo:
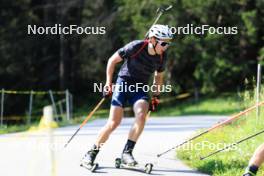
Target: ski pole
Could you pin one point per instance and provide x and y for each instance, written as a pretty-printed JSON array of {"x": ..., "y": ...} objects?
[
  {"x": 214, "y": 127},
  {"x": 85, "y": 120},
  {"x": 160, "y": 11},
  {"x": 231, "y": 145}
]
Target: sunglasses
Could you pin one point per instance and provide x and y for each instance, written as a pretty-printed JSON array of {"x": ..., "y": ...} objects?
[{"x": 163, "y": 44}]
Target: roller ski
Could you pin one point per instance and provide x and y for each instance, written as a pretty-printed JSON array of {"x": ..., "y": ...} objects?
[
  {"x": 128, "y": 162},
  {"x": 88, "y": 160}
]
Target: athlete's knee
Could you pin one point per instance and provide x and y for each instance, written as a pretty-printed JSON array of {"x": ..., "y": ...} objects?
[
  {"x": 112, "y": 125},
  {"x": 141, "y": 115}
]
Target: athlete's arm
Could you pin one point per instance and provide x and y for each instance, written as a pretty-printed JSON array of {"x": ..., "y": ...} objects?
[
  {"x": 158, "y": 82},
  {"x": 113, "y": 60}
]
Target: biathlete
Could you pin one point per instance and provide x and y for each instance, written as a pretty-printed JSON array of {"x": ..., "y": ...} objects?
[{"x": 141, "y": 59}]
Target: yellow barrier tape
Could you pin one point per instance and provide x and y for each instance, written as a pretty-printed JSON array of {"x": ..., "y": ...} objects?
[{"x": 32, "y": 92}]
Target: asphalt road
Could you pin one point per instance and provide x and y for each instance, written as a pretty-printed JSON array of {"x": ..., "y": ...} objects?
[{"x": 42, "y": 153}]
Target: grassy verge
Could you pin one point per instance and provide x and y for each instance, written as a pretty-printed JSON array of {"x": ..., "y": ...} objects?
[
  {"x": 14, "y": 128},
  {"x": 232, "y": 162},
  {"x": 224, "y": 104},
  {"x": 24, "y": 127}
]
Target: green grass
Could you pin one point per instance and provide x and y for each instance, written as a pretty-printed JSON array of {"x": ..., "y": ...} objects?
[
  {"x": 24, "y": 127},
  {"x": 227, "y": 163},
  {"x": 13, "y": 128},
  {"x": 224, "y": 104}
]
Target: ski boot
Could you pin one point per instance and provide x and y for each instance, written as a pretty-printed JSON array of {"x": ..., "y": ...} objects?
[
  {"x": 128, "y": 159},
  {"x": 88, "y": 160}
]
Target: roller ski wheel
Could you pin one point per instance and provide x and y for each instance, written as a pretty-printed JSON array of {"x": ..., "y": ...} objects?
[
  {"x": 147, "y": 168},
  {"x": 90, "y": 167},
  {"x": 118, "y": 163}
]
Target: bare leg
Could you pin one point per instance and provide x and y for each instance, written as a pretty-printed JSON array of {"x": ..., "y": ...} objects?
[
  {"x": 255, "y": 162},
  {"x": 140, "y": 109},
  {"x": 115, "y": 117},
  {"x": 258, "y": 157}
]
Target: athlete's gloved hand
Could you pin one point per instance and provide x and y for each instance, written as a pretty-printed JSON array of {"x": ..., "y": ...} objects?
[
  {"x": 154, "y": 103},
  {"x": 107, "y": 92}
]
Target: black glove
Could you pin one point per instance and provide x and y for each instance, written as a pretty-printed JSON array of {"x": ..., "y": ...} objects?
[
  {"x": 154, "y": 103},
  {"x": 107, "y": 92}
]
